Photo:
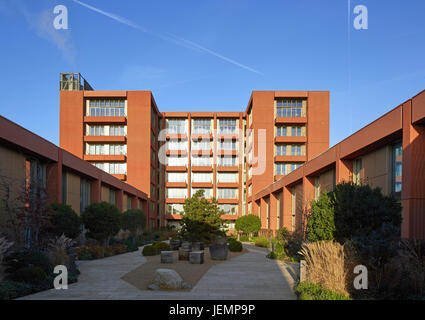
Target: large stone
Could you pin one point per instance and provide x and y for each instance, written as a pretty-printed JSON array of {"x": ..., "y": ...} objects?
[
  {"x": 196, "y": 257},
  {"x": 219, "y": 251},
  {"x": 168, "y": 279},
  {"x": 167, "y": 257}
]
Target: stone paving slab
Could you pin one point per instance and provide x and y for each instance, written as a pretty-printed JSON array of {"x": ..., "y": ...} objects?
[{"x": 246, "y": 277}]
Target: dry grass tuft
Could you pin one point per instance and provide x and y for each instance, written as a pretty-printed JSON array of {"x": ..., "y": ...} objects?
[
  {"x": 327, "y": 264},
  {"x": 58, "y": 250},
  {"x": 4, "y": 246}
]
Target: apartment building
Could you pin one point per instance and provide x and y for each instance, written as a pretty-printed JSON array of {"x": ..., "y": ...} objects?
[
  {"x": 389, "y": 153},
  {"x": 171, "y": 155}
]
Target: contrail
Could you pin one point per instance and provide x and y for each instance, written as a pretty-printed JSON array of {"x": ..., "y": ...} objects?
[{"x": 174, "y": 39}]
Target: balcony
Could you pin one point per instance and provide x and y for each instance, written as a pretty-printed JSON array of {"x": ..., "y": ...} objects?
[
  {"x": 201, "y": 169},
  {"x": 227, "y": 185},
  {"x": 228, "y": 136},
  {"x": 105, "y": 119},
  {"x": 228, "y": 201},
  {"x": 202, "y": 136},
  {"x": 122, "y": 177},
  {"x": 295, "y": 120},
  {"x": 173, "y": 216},
  {"x": 290, "y": 139},
  {"x": 104, "y": 157},
  {"x": 115, "y": 139},
  {"x": 175, "y": 200},
  {"x": 227, "y": 169},
  {"x": 227, "y": 152},
  {"x": 203, "y": 185},
  {"x": 290, "y": 158},
  {"x": 176, "y": 153},
  {"x": 176, "y": 184},
  {"x": 176, "y": 136},
  {"x": 200, "y": 153},
  {"x": 176, "y": 168}
]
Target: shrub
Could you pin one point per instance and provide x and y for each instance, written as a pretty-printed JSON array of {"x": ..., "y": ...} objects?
[
  {"x": 244, "y": 238},
  {"x": 261, "y": 242},
  {"x": 353, "y": 212},
  {"x": 4, "y": 246},
  {"x": 29, "y": 275},
  {"x": 292, "y": 249},
  {"x": 23, "y": 259},
  {"x": 64, "y": 220},
  {"x": 102, "y": 219},
  {"x": 161, "y": 246},
  {"x": 149, "y": 250},
  {"x": 328, "y": 264},
  {"x": 248, "y": 224},
  {"x": 119, "y": 248},
  {"x": 90, "y": 252},
  {"x": 311, "y": 291},
  {"x": 279, "y": 251},
  {"x": 235, "y": 246},
  {"x": 12, "y": 289},
  {"x": 283, "y": 234}
]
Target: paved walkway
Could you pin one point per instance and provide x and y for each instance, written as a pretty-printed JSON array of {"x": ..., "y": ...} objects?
[{"x": 248, "y": 276}]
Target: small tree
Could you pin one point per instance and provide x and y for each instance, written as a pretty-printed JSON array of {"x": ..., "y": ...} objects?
[
  {"x": 321, "y": 224},
  {"x": 201, "y": 220},
  {"x": 102, "y": 220},
  {"x": 65, "y": 221},
  {"x": 134, "y": 221},
  {"x": 248, "y": 224}
]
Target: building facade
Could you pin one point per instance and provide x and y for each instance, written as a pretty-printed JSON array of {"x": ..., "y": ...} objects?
[
  {"x": 27, "y": 161},
  {"x": 389, "y": 153},
  {"x": 171, "y": 155}
]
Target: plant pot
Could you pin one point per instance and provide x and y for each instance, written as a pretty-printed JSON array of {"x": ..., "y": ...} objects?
[{"x": 218, "y": 251}]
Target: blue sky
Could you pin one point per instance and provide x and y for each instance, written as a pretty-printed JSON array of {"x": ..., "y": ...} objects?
[{"x": 293, "y": 45}]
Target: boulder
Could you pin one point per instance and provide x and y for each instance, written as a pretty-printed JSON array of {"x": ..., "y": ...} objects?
[{"x": 167, "y": 279}]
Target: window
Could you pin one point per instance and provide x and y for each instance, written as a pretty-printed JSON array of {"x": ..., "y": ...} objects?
[
  {"x": 117, "y": 149},
  {"x": 281, "y": 150},
  {"x": 397, "y": 167},
  {"x": 174, "y": 208},
  {"x": 107, "y": 108},
  {"x": 289, "y": 108},
  {"x": 201, "y": 145},
  {"x": 95, "y": 149},
  {"x": 176, "y": 126},
  {"x": 227, "y": 126},
  {"x": 201, "y": 161},
  {"x": 117, "y": 168},
  {"x": 296, "y": 150},
  {"x": 96, "y": 130},
  {"x": 227, "y": 193},
  {"x": 84, "y": 194},
  {"x": 202, "y": 126},
  {"x": 226, "y": 161},
  {"x": 229, "y": 209},
  {"x": 111, "y": 196},
  {"x": 316, "y": 188},
  {"x": 280, "y": 169},
  {"x": 227, "y": 177},
  {"x": 281, "y": 131},
  {"x": 278, "y": 208},
  {"x": 207, "y": 192},
  {"x": 357, "y": 167},
  {"x": 295, "y": 166},
  {"x": 227, "y": 145},
  {"x": 176, "y": 145},
  {"x": 116, "y": 131},
  {"x": 176, "y": 176},
  {"x": 175, "y": 161},
  {"x": 296, "y": 131},
  {"x": 176, "y": 193},
  {"x": 293, "y": 209},
  {"x": 202, "y": 177},
  {"x": 64, "y": 187},
  {"x": 128, "y": 202}
]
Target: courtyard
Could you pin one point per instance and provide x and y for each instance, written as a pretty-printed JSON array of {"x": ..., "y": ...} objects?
[{"x": 245, "y": 277}]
